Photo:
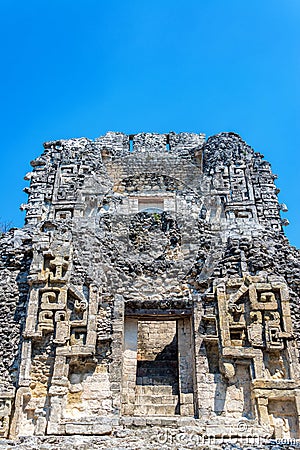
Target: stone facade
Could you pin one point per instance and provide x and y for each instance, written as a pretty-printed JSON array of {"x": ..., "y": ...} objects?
[{"x": 151, "y": 288}]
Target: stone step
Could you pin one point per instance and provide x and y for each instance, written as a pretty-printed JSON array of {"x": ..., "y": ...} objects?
[
  {"x": 158, "y": 363},
  {"x": 156, "y": 400},
  {"x": 156, "y": 371},
  {"x": 153, "y": 390},
  {"x": 155, "y": 410},
  {"x": 156, "y": 379}
]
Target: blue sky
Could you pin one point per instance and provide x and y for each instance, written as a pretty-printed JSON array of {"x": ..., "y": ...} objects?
[{"x": 72, "y": 68}]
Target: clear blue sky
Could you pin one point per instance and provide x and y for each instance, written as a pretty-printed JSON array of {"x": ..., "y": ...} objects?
[{"x": 74, "y": 68}]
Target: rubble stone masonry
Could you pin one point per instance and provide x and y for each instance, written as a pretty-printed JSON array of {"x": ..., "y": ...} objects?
[{"x": 151, "y": 300}]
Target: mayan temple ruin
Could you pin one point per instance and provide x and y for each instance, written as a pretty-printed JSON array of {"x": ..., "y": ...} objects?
[{"x": 151, "y": 300}]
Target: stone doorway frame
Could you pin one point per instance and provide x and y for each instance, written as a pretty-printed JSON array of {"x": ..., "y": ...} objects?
[{"x": 186, "y": 358}]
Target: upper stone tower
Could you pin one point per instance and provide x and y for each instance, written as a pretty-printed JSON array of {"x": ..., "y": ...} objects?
[{"x": 152, "y": 281}]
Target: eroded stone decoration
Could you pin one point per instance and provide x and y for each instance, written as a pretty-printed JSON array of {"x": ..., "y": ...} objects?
[{"x": 151, "y": 286}]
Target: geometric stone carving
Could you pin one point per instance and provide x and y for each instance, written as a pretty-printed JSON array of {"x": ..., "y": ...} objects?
[{"x": 253, "y": 330}]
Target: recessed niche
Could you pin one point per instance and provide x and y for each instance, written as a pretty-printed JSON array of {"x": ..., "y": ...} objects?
[{"x": 150, "y": 204}]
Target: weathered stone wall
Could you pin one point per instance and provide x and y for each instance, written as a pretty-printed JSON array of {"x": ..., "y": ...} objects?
[
  {"x": 151, "y": 285},
  {"x": 16, "y": 257},
  {"x": 157, "y": 369}
]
